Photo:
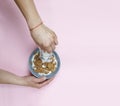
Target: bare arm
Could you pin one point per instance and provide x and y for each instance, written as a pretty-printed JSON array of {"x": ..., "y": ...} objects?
[
  {"x": 44, "y": 37},
  {"x": 29, "y": 11},
  {"x": 10, "y": 78}
]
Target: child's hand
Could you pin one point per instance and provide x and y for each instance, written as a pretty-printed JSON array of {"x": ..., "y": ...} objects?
[
  {"x": 32, "y": 81},
  {"x": 45, "y": 38}
]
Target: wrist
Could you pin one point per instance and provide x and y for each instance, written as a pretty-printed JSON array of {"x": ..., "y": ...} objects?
[
  {"x": 32, "y": 22},
  {"x": 35, "y": 27}
]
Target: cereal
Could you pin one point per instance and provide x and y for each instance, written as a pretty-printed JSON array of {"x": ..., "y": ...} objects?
[
  {"x": 46, "y": 67},
  {"x": 38, "y": 63}
]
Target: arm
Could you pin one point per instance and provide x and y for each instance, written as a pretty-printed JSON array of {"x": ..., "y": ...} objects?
[
  {"x": 28, "y": 9},
  {"x": 44, "y": 37},
  {"x": 10, "y": 78}
]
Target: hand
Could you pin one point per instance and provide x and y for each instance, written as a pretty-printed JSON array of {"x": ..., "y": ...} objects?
[
  {"x": 32, "y": 81},
  {"x": 45, "y": 38}
]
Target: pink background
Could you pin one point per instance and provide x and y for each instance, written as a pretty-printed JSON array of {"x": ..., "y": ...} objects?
[{"x": 89, "y": 48}]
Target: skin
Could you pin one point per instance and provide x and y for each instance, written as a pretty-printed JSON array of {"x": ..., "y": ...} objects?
[
  {"x": 43, "y": 36},
  {"x": 30, "y": 81}
]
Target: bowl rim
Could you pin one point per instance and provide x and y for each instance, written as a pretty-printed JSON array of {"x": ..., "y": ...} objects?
[{"x": 37, "y": 74}]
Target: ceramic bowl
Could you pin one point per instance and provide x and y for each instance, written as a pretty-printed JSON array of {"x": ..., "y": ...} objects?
[{"x": 38, "y": 75}]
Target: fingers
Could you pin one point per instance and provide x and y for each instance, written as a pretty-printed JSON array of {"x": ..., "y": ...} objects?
[
  {"x": 45, "y": 38},
  {"x": 55, "y": 38},
  {"x": 53, "y": 35},
  {"x": 56, "y": 41},
  {"x": 38, "y": 80},
  {"x": 53, "y": 47},
  {"x": 49, "y": 47},
  {"x": 44, "y": 83}
]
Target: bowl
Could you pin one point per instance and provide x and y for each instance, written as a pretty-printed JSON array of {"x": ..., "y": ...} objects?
[{"x": 38, "y": 75}]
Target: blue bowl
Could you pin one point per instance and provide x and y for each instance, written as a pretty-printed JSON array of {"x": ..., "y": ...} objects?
[{"x": 48, "y": 76}]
